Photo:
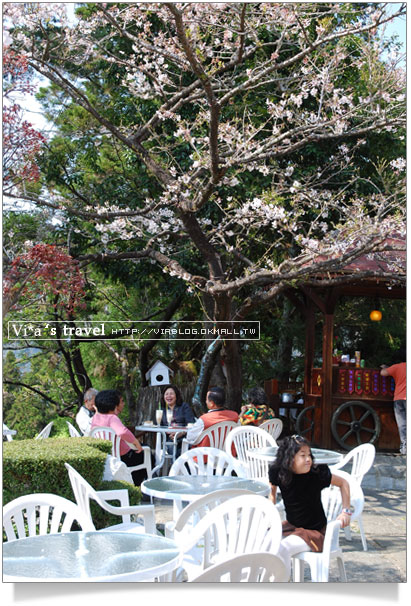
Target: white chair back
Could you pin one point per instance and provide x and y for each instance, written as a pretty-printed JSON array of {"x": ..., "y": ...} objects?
[
  {"x": 273, "y": 426},
  {"x": 362, "y": 458},
  {"x": 107, "y": 433},
  {"x": 245, "y": 439},
  {"x": 205, "y": 461},
  {"x": 217, "y": 435},
  {"x": 6, "y": 433},
  {"x": 84, "y": 492},
  {"x": 259, "y": 567},
  {"x": 73, "y": 431},
  {"x": 39, "y": 514},
  {"x": 45, "y": 432},
  {"x": 242, "y": 524}
]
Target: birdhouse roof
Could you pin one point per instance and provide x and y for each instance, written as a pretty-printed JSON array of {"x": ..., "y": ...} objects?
[{"x": 157, "y": 365}]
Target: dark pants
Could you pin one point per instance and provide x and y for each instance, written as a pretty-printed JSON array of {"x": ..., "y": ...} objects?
[{"x": 132, "y": 458}]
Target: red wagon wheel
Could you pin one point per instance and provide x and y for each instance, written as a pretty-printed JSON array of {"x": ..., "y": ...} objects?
[{"x": 355, "y": 423}]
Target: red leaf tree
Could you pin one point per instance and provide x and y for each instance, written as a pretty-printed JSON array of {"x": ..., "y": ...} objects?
[{"x": 41, "y": 272}]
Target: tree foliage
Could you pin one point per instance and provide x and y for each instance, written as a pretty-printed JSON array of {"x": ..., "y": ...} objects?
[{"x": 228, "y": 146}]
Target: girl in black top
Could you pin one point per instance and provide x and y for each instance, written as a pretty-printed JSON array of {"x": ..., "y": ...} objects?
[{"x": 301, "y": 483}]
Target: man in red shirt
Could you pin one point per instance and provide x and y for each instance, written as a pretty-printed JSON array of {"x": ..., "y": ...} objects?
[
  {"x": 399, "y": 373},
  {"x": 216, "y": 413}
]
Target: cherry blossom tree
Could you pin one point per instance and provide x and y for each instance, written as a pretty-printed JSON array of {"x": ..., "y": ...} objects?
[
  {"x": 221, "y": 109},
  {"x": 21, "y": 141}
]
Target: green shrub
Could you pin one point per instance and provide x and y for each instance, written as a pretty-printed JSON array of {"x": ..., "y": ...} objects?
[
  {"x": 34, "y": 466},
  {"x": 59, "y": 429}
]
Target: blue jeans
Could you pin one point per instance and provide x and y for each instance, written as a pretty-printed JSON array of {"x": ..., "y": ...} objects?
[{"x": 400, "y": 412}]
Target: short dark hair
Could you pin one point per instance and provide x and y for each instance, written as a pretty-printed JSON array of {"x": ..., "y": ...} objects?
[
  {"x": 257, "y": 396},
  {"x": 179, "y": 397},
  {"x": 107, "y": 400},
  {"x": 217, "y": 395}
]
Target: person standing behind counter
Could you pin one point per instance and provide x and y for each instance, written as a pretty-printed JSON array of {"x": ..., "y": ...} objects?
[{"x": 399, "y": 373}]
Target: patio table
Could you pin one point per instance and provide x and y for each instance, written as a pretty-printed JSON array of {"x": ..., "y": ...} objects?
[
  {"x": 321, "y": 455},
  {"x": 185, "y": 489},
  {"x": 161, "y": 432},
  {"x": 89, "y": 557}
]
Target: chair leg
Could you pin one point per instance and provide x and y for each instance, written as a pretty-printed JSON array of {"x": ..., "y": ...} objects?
[
  {"x": 341, "y": 569},
  {"x": 298, "y": 570},
  {"x": 363, "y": 539}
]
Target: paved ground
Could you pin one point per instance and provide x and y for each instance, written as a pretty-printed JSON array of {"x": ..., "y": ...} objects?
[{"x": 384, "y": 519}]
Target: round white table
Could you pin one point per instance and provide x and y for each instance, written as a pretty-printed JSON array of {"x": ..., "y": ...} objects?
[
  {"x": 89, "y": 557},
  {"x": 185, "y": 489},
  {"x": 162, "y": 432},
  {"x": 320, "y": 455}
]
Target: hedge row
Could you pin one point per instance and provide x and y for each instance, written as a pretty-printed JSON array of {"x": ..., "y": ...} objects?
[{"x": 33, "y": 466}]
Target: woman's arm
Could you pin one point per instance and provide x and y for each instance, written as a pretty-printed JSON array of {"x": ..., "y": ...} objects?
[{"x": 344, "y": 487}]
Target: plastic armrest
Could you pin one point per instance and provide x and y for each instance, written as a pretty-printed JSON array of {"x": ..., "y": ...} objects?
[
  {"x": 120, "y": 494},
  {"x": 169, "y": 530}
]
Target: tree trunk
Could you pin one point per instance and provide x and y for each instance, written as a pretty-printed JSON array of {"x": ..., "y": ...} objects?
[
  {"x": 285, "y": 343},
  {"x": 233, "y": 372}
]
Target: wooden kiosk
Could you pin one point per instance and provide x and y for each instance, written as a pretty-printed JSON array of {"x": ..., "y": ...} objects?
[{"x": 345, "y": 405}]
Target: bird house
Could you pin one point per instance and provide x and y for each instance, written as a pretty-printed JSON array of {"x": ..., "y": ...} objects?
[{"x": 159, "y": 374}]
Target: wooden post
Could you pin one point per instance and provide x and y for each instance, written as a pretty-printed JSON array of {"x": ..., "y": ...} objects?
[
  {"x": 326, "y": 408},
  {"x": 309, "y": 345}
]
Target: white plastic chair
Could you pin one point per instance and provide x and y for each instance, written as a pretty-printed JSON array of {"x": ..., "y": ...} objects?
[
  {"x": 189, "y": 517},
  {"x": 73, "y": 431},
  {"x": 245, "y": 439},
  {"x": 273, "y": 426},
  {"x": 357, "y": 503},
  {"x": 8, "y": 433},
  {"x": 217, "y": 435},
  {"x": 260, "y": 567},
  {"x": 83, "y": 492},
  {"x": 107, "y": 433},
  {"x": 45, "y": 432},
  {"x": 361, "y": 459},
  {"x": 205, "y": 461},
  {"x": 319, "y": 563},
  {"x": 242, "y": 524},
  {"x": 39, "y": 514}
]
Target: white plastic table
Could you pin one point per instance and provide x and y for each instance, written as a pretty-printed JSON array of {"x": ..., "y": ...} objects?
[
  {"x": 321, "y": 455},
  {"x": 89, "y": 557},
  {"x": 185, "y": 489},
  {"x": 161, "y": 438}
]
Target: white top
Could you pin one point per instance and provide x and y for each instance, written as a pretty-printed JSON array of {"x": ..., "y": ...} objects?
[
  {"x": 83, "y": 420},
  {"x": 89, "y": 556}
]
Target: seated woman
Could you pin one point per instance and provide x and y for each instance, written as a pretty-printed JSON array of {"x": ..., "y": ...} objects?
[
  {"x": 109, "y": 403},
  {"x": 256, "y": 411},
  {"x": 172, "y": 400},
  {"x": 182, "y": 413}
]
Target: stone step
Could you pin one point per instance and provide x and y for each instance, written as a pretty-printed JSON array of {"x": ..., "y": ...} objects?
[{"x": 388, "y": 472}]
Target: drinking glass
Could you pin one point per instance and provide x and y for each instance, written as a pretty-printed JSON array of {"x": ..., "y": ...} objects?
[
  {"x": 159, "y": 416},
  {"x": 169, "y": 414}
]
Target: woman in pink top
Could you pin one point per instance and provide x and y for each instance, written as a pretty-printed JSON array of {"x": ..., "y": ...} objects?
[{"x": 108, "y": 402}]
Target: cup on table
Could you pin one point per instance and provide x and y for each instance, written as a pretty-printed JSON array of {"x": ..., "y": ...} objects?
[
  {"x": 159, "y": 416},
  {"x": 169, "y": 414}
]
